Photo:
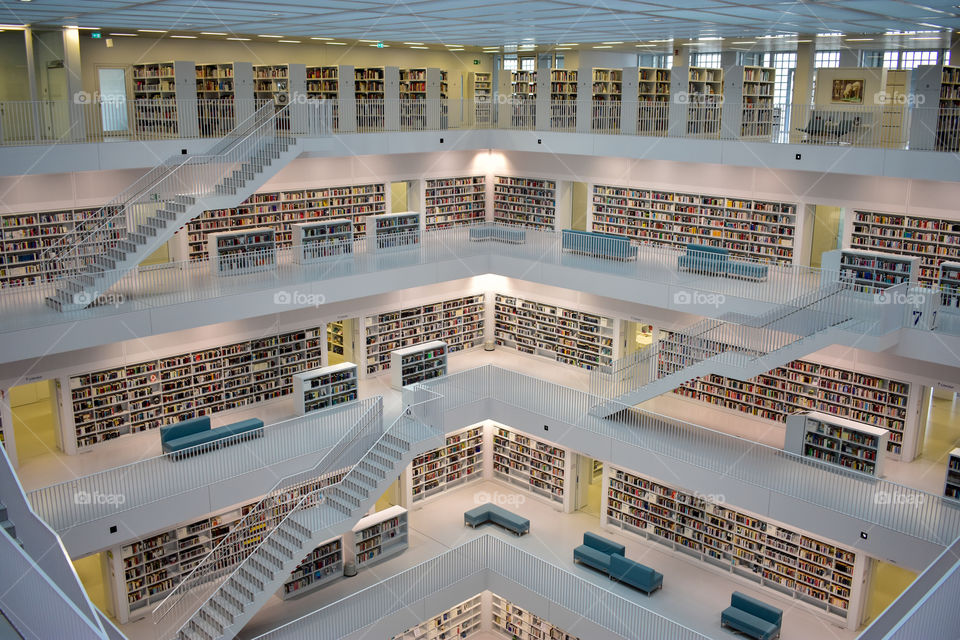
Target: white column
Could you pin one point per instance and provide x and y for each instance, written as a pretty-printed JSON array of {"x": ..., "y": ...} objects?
[{"x": 71, "y": 64}]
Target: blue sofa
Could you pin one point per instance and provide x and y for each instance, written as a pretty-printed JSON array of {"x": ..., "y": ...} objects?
[
  {"x": 196, "y": 431},
  {"x": 702, "y": 258},
  {"x": 490, "y": 512},
  {"x": 636, "y": 575},
  {"x": 751, "y": 616},
  {"x": 598, "y": 245},
  {"x": 596, "y": 551},
  {"x": 497, "y": 234}
]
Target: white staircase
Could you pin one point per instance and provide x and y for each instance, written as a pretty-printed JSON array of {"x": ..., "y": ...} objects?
[
  {"x": 317, "y": 519},
  {"x": 147, "y": 214},
  {"x": 750, "y": 346}
]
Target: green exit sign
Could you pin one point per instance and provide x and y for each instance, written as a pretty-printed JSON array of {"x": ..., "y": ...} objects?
[
  {"x": 95, "y": 34},
  {"x": 475, "y": 61}
]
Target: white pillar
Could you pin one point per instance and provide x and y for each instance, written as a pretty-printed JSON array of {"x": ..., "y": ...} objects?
[{"x": 77, "y": 100}]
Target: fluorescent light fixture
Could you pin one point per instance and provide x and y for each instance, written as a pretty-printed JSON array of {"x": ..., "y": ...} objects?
[
  {"x": 803, "y": 41},
  {"x": 563, "y": 48},
  {"x": 745, "y": 42},
  {"x": 338, "y": 44},
  {"x": 834, "y": 34},
  {"x": 453, "y": 45},
  {"x": 379, "y": 46},
  {"x": 603, "y": 46},
  {"x": 926, "y": 38},
  {"x": 614, "y": 42},
  {"x": 666, "y": 40},
  {"x": 705, "y": 39},
  {"x": 568, "y": 44},
  {"x": 260, "y": 35},
  {"x": 243, "y": 39},
  {"x": 644, "y": 45},
  {"x": 290, "y": 41},
  {"x": 123, "y": 34},
  {"x": 416, "y": 47},
  {"x": 859, "y": 39},
  {"x": 368, "y": 41},
  {"x": 184, "y": 37},
  {"x": 212, "y": 33},
  {"x": 89, "y": 28},
  {"x": 151, "y": 30},
  {"x": 694, "y": 44},
  {"x": 413, "y": 43},
  {"x": 319, "y": 38}
]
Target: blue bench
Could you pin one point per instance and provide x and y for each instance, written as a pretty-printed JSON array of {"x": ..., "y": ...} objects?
[
  {"x": 596, "y": 551},
  {"x": 497, "y": 234},
  {"x": 636, "y": 575},
  {"x": 598, "y": 245},
  {"x": 701, "y": 258},
  {"x": 194, "y": 432},
  {"x": 751, "y": 616},
  {"x": 492, "y": 513}
]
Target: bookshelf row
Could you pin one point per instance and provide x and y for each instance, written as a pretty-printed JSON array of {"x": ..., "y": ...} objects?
[
  {"x": 814, "y": 570},
  {"x": 521, "y": 624},
  {"x": 380, "y": 535},
  {"x": 457, "y": 321},
  {"x": 147, "y": 569},
  {"x": 758, "y": 229},
  {"x": 325, "y": 387},
  {"x": 144, "y": 395},
  {"x": 418, "y": 363},
  {"x": 530, "y": 463},
  {"x": 525, "y": 202},
  {"x": 869, "y": 271},
  {"x": 461, "y": 621},
  {"x": 454, "y": 201},
  {"x": 572, "y": 337},
  {"x": 836, "y": 441},
  {"x": 335, "y": 338},
  {"x": 951, "y": 487},
  {"x": 279, "y": 210},
  {"x": 932, "y": 240},
  {"x": 807, "y": 386},
  {"x": 458, "y": 461}
]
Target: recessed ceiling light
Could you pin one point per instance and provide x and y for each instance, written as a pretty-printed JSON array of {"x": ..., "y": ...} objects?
[
  {"x": 212, "y": 33},
  {"x": 319, "y": 38},
  {"x": 243, "y": 39},
  {"x": 184, "y": 37},
  {"x": 260, "y": 35},
  {"x": 615, "y": 42},
  {"x": 143, "y": 30},
  {"x": 123, "y": 34},
  {"x": 290, "y": 41},
  {"x": 412, "y": 43}
]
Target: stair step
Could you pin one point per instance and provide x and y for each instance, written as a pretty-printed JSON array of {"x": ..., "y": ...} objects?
[
  {"x": 187, "y": 200},
  {"x": 339, "y": 505},
  {"x": 355, "y": 487},
  {"x": 9, "y": 527},
  {"x": 270, "y": 558},
  {"x": 388, "y": 451},
  {"x": 251, "y": 577},
  {"x": 348, "y": 496},
  {"x": 209, "y": 617},
  {"x": 281, "y": 548},
  {"x": 167, "y": 215},
  {"x": 240, "y": 174},
  {"x": 383, "y": 462},
  {"x": 236, "y": 592},
  {"x": 116, "y": 254},
  {"x": 260, "y": 567},
  {"x": 234, "y": 182},
  {"x": 205, "y": 627},
  {"x": 373, "y": 468},
  {"x": 138, "y": 238},
  {"x": 229, "y": 602},
  {"x": 224, "y": 190},
  {"x": 146, "y": 230},
  {"x": 175, "y": 206},
  {"x": 366, "y": 479},
  {"x": 159, "y": 223},
  {"x": 221, "y": 611}
]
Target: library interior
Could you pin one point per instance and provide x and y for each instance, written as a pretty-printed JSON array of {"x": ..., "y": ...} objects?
[{"x": 432, "y": 320}]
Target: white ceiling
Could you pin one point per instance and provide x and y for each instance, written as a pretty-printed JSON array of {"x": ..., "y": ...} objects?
[{"x": 493, "y": 22}]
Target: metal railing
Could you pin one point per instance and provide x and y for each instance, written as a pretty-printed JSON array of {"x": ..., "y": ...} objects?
[
  {"x": 489, "y": 562},
  {"x": 220, "y": 563},
  {"x": 892, "y": 125},
  {"x": 85, "y": 499},
  {"x": 900, "y": 508}
]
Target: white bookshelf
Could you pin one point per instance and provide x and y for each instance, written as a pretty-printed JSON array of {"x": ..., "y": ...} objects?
[
  {"x": 949, "y": 286},
  {"x": 748, "y": 91},
  {"x": 698, "y": 113},
  {"x": 418, "y": 363},
  {"x": 871, "y": 272},
  {"x": 837, "y": 441},
  {"x": 535, "y": 465},
  {"x": 526, "y": 202},
  {"x": 281, "y": 209},
  {"x": 335, "y": 337},
  {"x": 320, "y": 567},
  {"x": 225, "y": 90},
  {"x": 951, "y": 486},
  {"x": 393, "y": 231},
  {"x": 460, "y": 460},
  {"x": 607, "y": 88},
  {"x": 569, "y": 336},
  {"x": 319, "y": 241},
  {"x": 279, "y": 82},
  {"x": 936, "y": 126},
  {"x": 166, "y": 98},
  {"x": 517, "y": 623},
  {"x": 523, "y": 85},
  {"x": 456, "y": 321},
  {"x": 481, "y": 85},
  {"x": 808, "y": 386},
  {"x": 238, "y": 252},
  {"x": 454, "y": 201},
  {"x": 932, "y": 240},
  {"x": 563, "y": 99},
  {"x": 334, "y": 83},
  {"x": 759, "y": 229},
  {"x": 465, "y": 620},
  {"x": 787, "y": 560},
  {"x": 653, "y": 94},
  {"x": 143, "y": 572},
  {"x": 379, "y": 536},
  {"x": 325, "y": 387},
  {"x": 144, "y": 395},
  {"x": 376, "y": 90}
]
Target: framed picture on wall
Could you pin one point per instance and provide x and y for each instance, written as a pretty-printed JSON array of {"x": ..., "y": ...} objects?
[{"x": 847, "y": 91}]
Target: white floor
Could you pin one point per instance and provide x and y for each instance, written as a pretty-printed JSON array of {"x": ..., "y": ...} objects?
[{"x": 693, "y": 593}]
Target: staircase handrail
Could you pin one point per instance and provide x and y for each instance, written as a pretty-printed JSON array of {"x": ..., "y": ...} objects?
[
  {"x": 154, "y": 180},
  {"x": 204, "y": 571}
]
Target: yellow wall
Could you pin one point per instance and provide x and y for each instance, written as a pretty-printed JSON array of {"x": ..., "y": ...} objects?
[
  {"x": 886, "y": 584},
  {"x": 390, "y": 497},
  {"x": 13, "y": 77},
  {"x": 398, "y": 196},
  {"x": 29, "y": 393},
  {"x": 159, "y": 256},
  {"x": 578, "y": 219},
  {"x": 826, "y": 229}
]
